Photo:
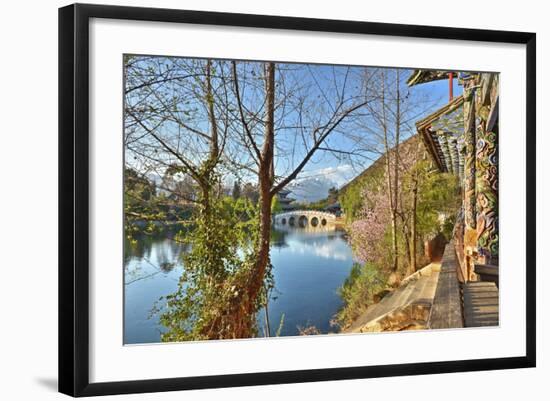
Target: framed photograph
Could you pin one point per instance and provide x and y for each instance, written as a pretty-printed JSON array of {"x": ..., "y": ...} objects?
[{"x": 250, "y": 199}]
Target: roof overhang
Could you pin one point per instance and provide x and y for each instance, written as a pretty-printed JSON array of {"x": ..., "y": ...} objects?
[
  {"x": 423, "y": 76},
  {"x": 431, "y": 126}
]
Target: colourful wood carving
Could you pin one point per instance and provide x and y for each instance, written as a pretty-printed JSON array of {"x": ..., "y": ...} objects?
[
  {"x": 487, "y": 196},
  {"x": 487, "y": 175},
  {"x": 469, "y": 159}
]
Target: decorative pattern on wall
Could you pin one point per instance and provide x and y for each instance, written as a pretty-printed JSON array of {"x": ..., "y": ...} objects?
[
  {"x": 487, "y": 194},
  {"x": 469, "y": 160}
]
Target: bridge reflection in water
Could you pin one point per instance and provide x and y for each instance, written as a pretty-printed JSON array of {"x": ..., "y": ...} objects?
[{"x": 308, "y": 220}]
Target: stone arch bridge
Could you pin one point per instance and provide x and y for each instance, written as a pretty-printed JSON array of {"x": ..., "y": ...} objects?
[{"x": 304, "y": 218}]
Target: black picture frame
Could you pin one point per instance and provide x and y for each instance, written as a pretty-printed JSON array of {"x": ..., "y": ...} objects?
[{"x": 74, "y": 198}]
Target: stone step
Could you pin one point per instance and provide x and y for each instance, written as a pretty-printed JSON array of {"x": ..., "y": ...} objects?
[
  {"x": 481, "y": 304},
  {"x": 480, "y": 291},
  {"x": 487, "y": 273},
  {"x": 472, "y": 284},
  {"x": 480, "y": 285},
  {"x": 483, "y": 309},
  {"x": 482, "y": 321},
  {"x": 480, "y": 301},
  {"x": 480, "y": 294},
  {"x": 486, "y": 269},
  {"x": 469, "y": 298}
]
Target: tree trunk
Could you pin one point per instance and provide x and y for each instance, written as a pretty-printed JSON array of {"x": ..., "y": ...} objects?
[
  {"x": 408, "y": 247},
  {"x": 392, "y": 199},
  {"x": 265, "y": 179},
  {"x": 214, "y": 147},
  {"x": 413, "y": 226},
  {"x": 396, "y": 168},
  {"x": 266, "y": 309}
]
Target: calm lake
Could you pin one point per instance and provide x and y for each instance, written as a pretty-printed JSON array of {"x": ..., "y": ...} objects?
[{"x": 308, "y": 267}]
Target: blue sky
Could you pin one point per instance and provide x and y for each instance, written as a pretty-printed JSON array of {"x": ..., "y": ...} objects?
[
  {"x": 318, "y": 86},
  {"x": 325, "y": 171}
]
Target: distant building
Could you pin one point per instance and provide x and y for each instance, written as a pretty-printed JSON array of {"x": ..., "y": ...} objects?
[
  {"x": 284, "y": 201},
  {"x": 334, "y": 208}
]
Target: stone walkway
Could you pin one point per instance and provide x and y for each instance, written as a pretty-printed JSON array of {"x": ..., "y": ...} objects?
[
  {"x": 433, "y": 298},
  {"x": 407, "y": 307},
  {"x": 428, "y": 299}
]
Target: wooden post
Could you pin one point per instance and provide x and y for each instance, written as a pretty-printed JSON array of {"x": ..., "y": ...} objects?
[
  {"x": 487, "y": 176},
  {"x": 470, "y": 234},
  {"x": 450, "y": 86}
]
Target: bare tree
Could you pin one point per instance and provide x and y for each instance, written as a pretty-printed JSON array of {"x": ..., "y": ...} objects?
[
  {"x": 381, "y": 131},
  {"x": 205, "y": 123},
  {"x": 307, "y": 112},
  {"x": 172, "y": 125}
]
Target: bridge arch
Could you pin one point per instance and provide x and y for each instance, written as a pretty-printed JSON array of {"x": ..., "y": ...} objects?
[{"x": 304, "y": 218}]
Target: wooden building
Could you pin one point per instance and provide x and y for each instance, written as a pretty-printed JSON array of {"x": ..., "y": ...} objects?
[{"x": 462, "y": 138}]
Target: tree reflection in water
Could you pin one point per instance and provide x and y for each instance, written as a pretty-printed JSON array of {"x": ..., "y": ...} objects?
[{"x": 309, "y": 264}]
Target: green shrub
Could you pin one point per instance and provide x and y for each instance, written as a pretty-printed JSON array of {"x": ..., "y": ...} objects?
[{"x": 358, "y": 291}]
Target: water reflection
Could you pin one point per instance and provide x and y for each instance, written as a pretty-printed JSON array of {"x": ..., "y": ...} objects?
[
  {"x": 309, "y": 264},
  {"x": 303, "y": 226},
  {"x": 308, "y": 269},
  {"x": 152, "y": 267}
]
